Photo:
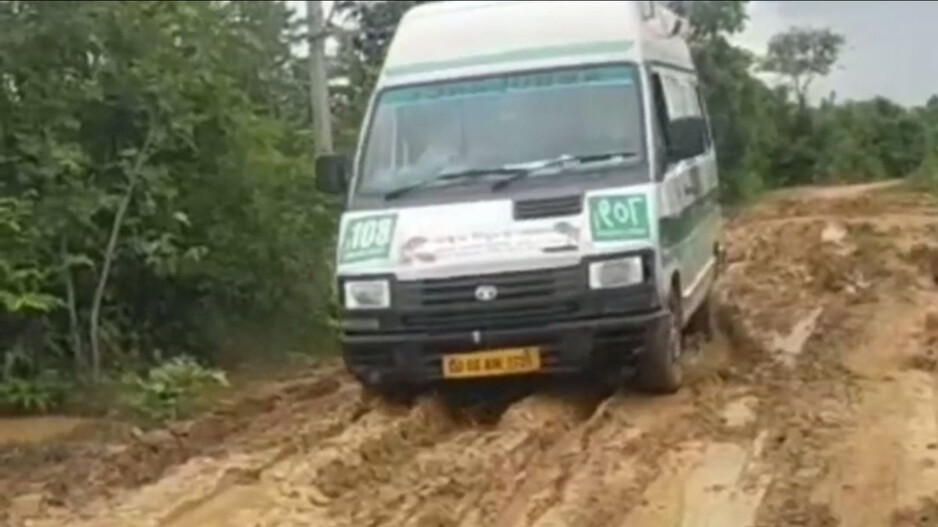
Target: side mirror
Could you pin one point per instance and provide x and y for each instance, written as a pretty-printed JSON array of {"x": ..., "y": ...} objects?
[
  {"x": 332, "y": 173},
  {"x": 686, "y": 138}
]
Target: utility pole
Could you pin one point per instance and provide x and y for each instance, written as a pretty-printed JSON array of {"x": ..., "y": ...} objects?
[{"x": 318, "y": 79}]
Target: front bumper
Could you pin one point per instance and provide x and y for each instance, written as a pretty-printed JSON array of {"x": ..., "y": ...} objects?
[{"x": 566, "y": 347}]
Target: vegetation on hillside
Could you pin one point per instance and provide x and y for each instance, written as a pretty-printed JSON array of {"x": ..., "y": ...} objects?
[{"x": 156, "y": 185}]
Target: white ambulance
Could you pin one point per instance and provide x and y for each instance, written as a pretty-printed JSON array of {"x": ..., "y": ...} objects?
[{"x": 534, "y": 193}]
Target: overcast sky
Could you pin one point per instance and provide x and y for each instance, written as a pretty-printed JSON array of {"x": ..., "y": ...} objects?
[{"x": 890, "y": 48}]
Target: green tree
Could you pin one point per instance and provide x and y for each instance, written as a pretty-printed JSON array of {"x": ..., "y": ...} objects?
[
  {"x": 361, "y": 53},
  {"x": 741, "y": 108},
  {"x": 801, "y": 55},
  {"x": 156, "y": 181},
  {"x": 927, "y": 172},
  {"x": 712, "y": 20}
]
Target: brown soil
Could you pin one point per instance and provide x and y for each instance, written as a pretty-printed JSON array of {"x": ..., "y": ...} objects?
[{"x": 816, "y": 407}]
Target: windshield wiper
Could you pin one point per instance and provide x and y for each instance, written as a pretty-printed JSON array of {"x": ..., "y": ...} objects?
[
  {"x": 561, "y": 161},
  {"x": 470, "y": 173}
]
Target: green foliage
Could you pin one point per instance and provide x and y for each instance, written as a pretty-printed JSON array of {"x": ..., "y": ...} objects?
[
  {"x": 33, "y": 395},
  {"x": 714, "y": 19},
  {"x": 868, "y": 140},
  {"x": 926, "y": 175},
  {"x": 765, "y": 141},
  {"x": 801, "y": 54},
  {"x": 191, "y": 116},
  {"x": 741, "y": 108},
  {"x": 360, "y": 58},
  {"x": 170, "y": 390}
]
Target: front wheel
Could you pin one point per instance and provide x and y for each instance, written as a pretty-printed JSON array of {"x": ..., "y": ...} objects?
[
  {"x": 703, "y": 321},
  {"x": 659, "y": 366},
  {"x": 391, "y": 393}
]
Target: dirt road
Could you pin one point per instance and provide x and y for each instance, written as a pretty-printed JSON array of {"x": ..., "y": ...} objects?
[{"x": 817, "y": 408}]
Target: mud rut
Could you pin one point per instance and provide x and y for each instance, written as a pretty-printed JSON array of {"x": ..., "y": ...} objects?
[{"x": 816, "y": 408}]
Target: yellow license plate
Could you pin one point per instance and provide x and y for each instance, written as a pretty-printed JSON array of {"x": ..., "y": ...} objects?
[{"x": 491, "y": 363}]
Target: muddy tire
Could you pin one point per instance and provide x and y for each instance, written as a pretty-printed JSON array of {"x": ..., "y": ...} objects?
[
  {"x": 660, "y": 369},
  {"x": 703, "y": 321},
  {"x": 391, "y": 393}
]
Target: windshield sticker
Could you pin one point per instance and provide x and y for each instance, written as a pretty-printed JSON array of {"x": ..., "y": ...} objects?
[
  {"x": 368, "y": 238},
  {"x": 617, "y": 75},
  {"x": 619, "y": 217}
]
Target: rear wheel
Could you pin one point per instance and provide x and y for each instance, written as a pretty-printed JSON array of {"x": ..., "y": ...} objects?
[{"x": 659, "y": 366}]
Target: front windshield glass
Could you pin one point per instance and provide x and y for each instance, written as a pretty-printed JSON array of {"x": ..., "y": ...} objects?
[{"x": 419, "y": 132}]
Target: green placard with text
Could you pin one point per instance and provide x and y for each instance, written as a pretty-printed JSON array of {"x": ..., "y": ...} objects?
[
  {"x": 619, "y": 217},
  {"x": 367, "y": 238}
]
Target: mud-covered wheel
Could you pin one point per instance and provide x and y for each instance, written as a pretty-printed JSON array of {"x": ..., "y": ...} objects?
[
  {"x": 703, "y": 321},
  {"x": 659, "y": 367},
  {"x": 393, "y": 393}
]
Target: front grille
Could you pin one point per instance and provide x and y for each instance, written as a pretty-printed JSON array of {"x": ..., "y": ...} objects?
[
  {"x": 548, "y": 207},
  {"x": 491, "y": 317},
  {"x": 524, "y": 298},
  {"x": 375, "y": 356}
]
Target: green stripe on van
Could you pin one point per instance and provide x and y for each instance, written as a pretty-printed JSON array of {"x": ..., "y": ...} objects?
[
  {"x": 676, "y": 229},
  {"x": 584, "y": 48}
]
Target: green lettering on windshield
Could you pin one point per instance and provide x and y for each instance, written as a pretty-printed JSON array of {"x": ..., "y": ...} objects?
[
  {"x": 367, "y": 238},
  {"x": 619, "y": 217},
  {"x": 517, "y": 83}
]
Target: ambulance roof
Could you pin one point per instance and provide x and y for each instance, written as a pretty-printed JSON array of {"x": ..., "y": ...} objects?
[{"x": 445, "y": 40}]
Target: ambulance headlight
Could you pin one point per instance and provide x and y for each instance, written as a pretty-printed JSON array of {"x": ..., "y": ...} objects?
[
  {"x": 620, "y": 272},
  {"x": 367, "y": 294}
]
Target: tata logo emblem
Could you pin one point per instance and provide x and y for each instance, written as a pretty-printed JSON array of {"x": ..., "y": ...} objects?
[{"x": 486, "y": 293}]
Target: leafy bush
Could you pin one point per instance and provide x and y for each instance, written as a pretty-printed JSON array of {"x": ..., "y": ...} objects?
[
  {"x": 926, "y": 178},
  {"x": 166, "y": 180},
  {"x": 171, "y": 389},
  {"x": 36, "y": 395}
]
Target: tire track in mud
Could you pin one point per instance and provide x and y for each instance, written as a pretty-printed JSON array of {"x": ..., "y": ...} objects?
[
  {"x": 294, "y": 490},
  {"x": 888, "y": 459},
  {"x": 439, "y": 484},
  {"x": 426, "y": 469},
  {"x": 850, "y": 433},
  {"x": 719, "y": 483},
  {"x": 603, "y": 473},
  {"x": 343, "y": 410},
  {"x": 201, "y": 478},
  {"x": 446, "y": 485},
  {"x": 714, "y": 478},
  {"x": 536, "y": 466},
  {"x": 95, "y": 469}
]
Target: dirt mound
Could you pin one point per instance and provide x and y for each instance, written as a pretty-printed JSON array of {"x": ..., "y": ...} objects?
[
  {"x": 925, "y": 256},
  {"x": 101, "y": 463},
  {"x": 925, "y": 515},
  {"x": 779, "y": 273},
  {"x": 925, "y": 356},
  {"x": 831, "y": 204},
  {"x": 793, "y": 262}
]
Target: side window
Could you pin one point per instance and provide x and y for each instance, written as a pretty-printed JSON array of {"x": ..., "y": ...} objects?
[
  {"x": 685, "y": 126},
  {"x": 661, "y": 120},
  {"x": 708, "y": 139}
]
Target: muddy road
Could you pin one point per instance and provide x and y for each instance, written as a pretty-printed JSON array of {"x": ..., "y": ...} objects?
[{"x": 817, "y": 407}]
